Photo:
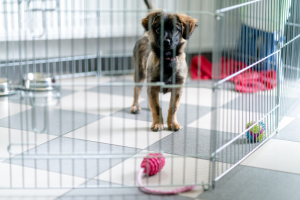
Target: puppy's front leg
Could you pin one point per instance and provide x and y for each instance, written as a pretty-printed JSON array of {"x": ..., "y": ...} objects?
[
  {"x": 174, "y": 105},
  {"x": 158, "y": 122}
]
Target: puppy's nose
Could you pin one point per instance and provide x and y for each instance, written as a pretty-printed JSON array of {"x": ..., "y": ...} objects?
[{"x": 167, "y": 42}]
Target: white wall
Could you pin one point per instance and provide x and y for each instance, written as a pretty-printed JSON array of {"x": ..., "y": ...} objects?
[{"x": 118, "y": 30}]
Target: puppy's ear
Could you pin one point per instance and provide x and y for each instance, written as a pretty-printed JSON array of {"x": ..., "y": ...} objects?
[
  {"x": 150, "y": 19},
  {"x": 188, "y": 24}
]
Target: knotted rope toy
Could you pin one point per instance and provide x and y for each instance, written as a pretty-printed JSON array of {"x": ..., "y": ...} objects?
[
  {"x": 151, "y": 165},
  {"x": 257, "y": 132}
]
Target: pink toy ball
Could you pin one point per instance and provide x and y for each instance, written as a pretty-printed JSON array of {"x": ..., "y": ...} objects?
[{"x": 151, "y": 165}]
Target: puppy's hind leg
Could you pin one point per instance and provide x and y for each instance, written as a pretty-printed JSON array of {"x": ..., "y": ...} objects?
[{"x": 136, "y": 108}]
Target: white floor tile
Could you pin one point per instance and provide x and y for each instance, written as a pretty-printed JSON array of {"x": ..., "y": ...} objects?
[
  {"x": 15, "y": 176},
  {"x": 19, "y": 141},
  {"x": 8, "y": 109},
  {"x": 233, "y": 121},
  {"x": 269, "y": 92},
  {"x": 202, "y": 96},
  {"x": 90, "y": 81},
  {"x": 77, "y": 82},
  {"x": 120, "y": 131},
  {"x": 285, "y": 121},
  {"x": 94, "y": 103},
  {"x": 177, "y": 171},
  {"x": 277, "y": 155}
]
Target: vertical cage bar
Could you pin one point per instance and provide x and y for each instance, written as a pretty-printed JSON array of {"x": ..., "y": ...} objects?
[{"x": 216, "y": 70}]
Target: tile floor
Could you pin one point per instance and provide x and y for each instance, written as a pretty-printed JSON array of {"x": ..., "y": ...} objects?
[
  {"x": 271, "y": 172},
  {"x": 92, "y": 126}
]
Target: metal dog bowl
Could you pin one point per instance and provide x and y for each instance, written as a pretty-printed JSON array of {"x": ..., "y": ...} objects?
[
  {"x": 38, "y": 82},
  {"x": 4, "y": 87}
]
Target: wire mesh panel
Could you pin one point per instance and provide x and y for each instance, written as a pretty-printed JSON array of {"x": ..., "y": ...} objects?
[
  {"x": 259, "y": 66},
  {"x": 290, "y": 60},
  {"x": 90, "y": 88},
  {"x": 68, "y": 121}
]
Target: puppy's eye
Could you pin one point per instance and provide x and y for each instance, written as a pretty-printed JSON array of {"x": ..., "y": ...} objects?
[{"x": 158, "y": 30}]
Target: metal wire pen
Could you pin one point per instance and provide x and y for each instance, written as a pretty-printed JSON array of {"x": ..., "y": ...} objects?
[{"x": 76, "y": 130}]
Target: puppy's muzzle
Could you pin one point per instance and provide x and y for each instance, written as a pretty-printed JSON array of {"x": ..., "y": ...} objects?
[{"x": 167, "y": 42}]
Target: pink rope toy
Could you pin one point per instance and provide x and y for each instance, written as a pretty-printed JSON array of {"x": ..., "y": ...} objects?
[{"x": 150, "y": 166}]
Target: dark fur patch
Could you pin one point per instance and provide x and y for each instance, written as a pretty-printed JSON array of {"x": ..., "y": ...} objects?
[
  {"x": 172, "y": 53},
  {"x": 169, "y": 67},
  {"x": 166, "y": 31},
  {"x": 157, "y": 108}
]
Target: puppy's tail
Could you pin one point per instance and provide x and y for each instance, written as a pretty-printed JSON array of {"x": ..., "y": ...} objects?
[{"x": 149, "y": 4}]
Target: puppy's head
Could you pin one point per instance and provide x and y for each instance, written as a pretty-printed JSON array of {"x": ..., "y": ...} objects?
[{"x": 168, "y": 30}]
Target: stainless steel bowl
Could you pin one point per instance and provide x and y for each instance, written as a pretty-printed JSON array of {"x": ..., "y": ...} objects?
[
  {"x": 4, "y": 87},
  {"x": 38, "y": 82}
]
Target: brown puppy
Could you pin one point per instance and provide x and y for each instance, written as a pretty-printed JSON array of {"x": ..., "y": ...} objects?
[{"x": 159, "y": 57}]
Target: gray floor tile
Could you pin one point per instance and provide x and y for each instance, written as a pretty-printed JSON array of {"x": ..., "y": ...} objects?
[
  {"x": 27, "y": 100},
  {"x": 290, "y": 132},
  {"x": 248, "y": 183},
  {"x": 185, "y": 114},
  {"x": 60, "y": 122},
  {"x": 196, "y": 143},
  {"x": 87, "y": 168},
  {"x": 252, "y": 102},
  {"x": 235, "y": 151},
  {"x": 187, "y": 141},
  {"x": 116, "y": 192}
]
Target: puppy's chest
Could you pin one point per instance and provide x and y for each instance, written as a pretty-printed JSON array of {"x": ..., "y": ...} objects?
[
  {"x": 169, "y": 74},
  {"x": 166, "y": 72}
]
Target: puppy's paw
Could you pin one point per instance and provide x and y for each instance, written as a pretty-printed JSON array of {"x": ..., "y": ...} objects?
[
  {"x": 135, "y": 109},
  {"x": 174, "y": 126},
  {"x": 157, "y": 127}
]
